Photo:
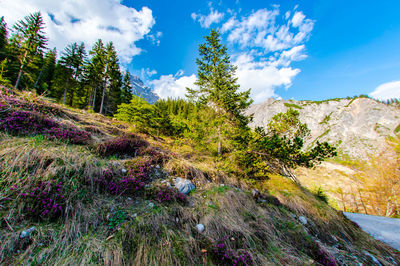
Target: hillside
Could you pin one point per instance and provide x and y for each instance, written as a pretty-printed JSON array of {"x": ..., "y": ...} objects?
[
  {"x": 81, "y": 188},
  {"x": 364, "y": 175}
]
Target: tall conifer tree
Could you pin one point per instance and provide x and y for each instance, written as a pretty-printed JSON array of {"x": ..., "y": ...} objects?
[
  {"x": 217, "y": 85},
  {"x": 29, "y": 39}
]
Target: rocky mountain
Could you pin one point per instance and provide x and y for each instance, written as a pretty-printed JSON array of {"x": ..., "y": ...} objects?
[
  {"x": 365, "y": 176},
  {"x": 358, "y": 127},
  {"x": 139, "y": 89}
]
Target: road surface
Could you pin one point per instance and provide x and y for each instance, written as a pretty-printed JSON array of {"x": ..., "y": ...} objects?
[{"x": 382, "y": 228}]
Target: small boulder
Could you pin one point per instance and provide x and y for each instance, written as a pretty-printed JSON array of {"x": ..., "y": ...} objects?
[
  {"x": 255, "y": 193},
  {"x": 27, "y": 232},
  {"x": 200, "y": 228},
  {"x": 123, "y": 170},
  {"x": 303, "y": 220},
  {"x": 184, "y": 185}
]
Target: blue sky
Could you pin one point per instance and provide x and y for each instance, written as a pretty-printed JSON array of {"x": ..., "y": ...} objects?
[{"x": 303, "y": 50}]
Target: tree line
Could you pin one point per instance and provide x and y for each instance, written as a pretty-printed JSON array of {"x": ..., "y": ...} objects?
[{"x": 91, "y": 80}]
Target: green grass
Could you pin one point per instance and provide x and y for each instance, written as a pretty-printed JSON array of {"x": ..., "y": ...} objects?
[{"x": 292, "y": 105}]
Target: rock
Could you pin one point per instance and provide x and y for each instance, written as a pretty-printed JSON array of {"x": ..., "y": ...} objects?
[
  {"x": 184, "y": 185},
  {"x": 255, "y": 193},
  {"x": 151, "y": 204},
  {"x": 372, "y": 257},
  {"x": 222, "y": 185},
  {"x": 292, "y": 215},
  {"x": 166, "y": 183},
  {"x": 303, "y": 220},
  {"x": 124, "y": 171},
  {"x": 134, "y": 215},
  {"x": 27, "y": 232},
  {"x": 200, "y": 228}
]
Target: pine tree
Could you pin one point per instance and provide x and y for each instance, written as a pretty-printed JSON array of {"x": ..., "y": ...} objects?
[
  {"x": 3, "y": 39},
  {"x": 218, "y": 86},
  {"x": 113, "y": 81},
  {"x": 45, "y": 78},
  {"x": 73, "y": 59},
  {"x": 29, "y": 39},
  {"x": 126, "y": 94},
  {"x": 95, "y": 72}
]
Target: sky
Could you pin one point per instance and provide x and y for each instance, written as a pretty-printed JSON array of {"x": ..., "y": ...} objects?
[{"x": 302, "y": 50}]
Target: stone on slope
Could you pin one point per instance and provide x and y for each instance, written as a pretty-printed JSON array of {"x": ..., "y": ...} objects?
[{"x": 183, "y": 185}]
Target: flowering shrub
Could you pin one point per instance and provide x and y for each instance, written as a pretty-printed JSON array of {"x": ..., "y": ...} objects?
[
  {"x": 44, "y": 200},
  {"x": 73, "y": 135},
  {"x": 32, "y": 123},
  {"x": 126, "y": 145},
  {"x": 222, "y": 254},
  {"x": 26, "y": 122},
  {"x": 157, "y": 156},
  {"x": 35, "y": 105},
  {"x": 321, "y": 255},
  {"x": 166, "y": 194}
]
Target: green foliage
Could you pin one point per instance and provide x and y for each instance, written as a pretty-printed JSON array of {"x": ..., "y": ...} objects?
[
  {"x": 288, "y": 124},
  {"x": 292, "y": 105},
  {"x": 320, "y": 194},
  {"x": 218, "y": 88},
  {"x": 117, "y": 218},
  {"x": 28, "y": 40}
]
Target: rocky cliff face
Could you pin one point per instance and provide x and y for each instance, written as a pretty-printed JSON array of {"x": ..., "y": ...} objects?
[
  {"x": 139, "y": 89},
  {"x": 358, "y": 127}
]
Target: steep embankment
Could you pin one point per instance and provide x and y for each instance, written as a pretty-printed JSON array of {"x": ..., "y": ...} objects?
[
  {"x": 364, "y": 175},
  {"x": 80, "y": 188}
]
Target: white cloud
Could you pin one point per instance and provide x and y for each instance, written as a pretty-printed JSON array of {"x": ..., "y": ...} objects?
[
  {"x": 86, "y": 20},
  {"x": 387, "y": 91},
  {"x": 260, "y": 30},
  {"x": 206, "y": 21},
  {"x": 297, "y": 19},
  {"x": 262, "y": 77},
  {"x": 173, "y": 85}
]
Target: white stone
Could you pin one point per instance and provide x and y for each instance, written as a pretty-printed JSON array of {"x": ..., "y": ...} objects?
[
  {"x": 183, "y": 185},
  {"x": 303, "y": 220},
  {"x": 27, "y": 232},
  {"x": 200, "y": 228}
]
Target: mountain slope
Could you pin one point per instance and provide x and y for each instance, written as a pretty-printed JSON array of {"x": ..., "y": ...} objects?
[
  {"x": 358, "y": 127},
  {"x": 139, "y": 89},
  {"x": 80, "y": 188},
  {"x": 365, "y": 176}
]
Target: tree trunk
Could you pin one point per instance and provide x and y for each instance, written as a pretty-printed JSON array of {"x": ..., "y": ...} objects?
[
  {"x": 219, "y": 140},
  {"x": 94, "y": 98},
  {"x": 102, "y": 97},
  {"x": 65, "y": 91},
  {"x": 20, "y": 70}
]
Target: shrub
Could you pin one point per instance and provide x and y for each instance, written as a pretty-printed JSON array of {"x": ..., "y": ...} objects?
[
  {"x": 33, "y": 123},
  {"x": 223, "y": 255},
  {"x": 40, "y": 200},
  {"x": 126, "y": 145},
  {"x": 165, "y": 194},
  {"x": 73, "y": 135}
]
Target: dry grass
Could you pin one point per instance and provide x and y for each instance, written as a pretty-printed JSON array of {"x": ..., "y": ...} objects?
[{"x": 166, "y": 233}]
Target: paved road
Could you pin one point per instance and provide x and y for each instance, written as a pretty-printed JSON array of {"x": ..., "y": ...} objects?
[{"x": 381, "y": 228}]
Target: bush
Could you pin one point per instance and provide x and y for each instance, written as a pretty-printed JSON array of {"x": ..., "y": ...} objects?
[
  {"x": 33, "y": 123},
  {"x": 165, "y": 194},
  {"x": 126, "y": 145},
  {"x": 223, "y": 255},
  {"x": 41, "y": 200}
]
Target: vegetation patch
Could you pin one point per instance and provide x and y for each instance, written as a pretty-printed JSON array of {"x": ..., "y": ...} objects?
[{"x": 292, "y": 105}]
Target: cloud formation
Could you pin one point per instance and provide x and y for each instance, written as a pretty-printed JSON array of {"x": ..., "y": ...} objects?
[
  {"x": 173, "y": 85},
  {"x": 387, "y": 91},
  {"x": 206, "y": 20},
  {"x": 70, "y": 21}
]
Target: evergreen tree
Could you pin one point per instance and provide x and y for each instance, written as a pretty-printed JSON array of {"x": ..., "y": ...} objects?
[
  {"x": 45, "y": 79},
  {"x": 95, "y": 72},
  {"x": 113, "y": 81},
  {"x": 3, "y": 39},
  {"x": 28, "y": 38},
  {"x": 126, "y": 90},
  {"x": 73, "y": 59},
  {"x": 218, "y": 86}
]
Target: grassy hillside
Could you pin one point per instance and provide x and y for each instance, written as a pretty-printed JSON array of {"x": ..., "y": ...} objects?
[{"x": 95, "y": 192}]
